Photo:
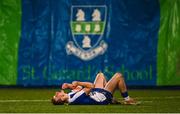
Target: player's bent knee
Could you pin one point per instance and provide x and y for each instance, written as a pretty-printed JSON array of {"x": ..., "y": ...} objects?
[
  {"x": 100, "y": 74},
  {"x": 119, "y": 75}
]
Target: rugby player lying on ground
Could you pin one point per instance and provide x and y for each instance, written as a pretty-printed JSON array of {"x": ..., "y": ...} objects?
[{"x": 99, "y": 93}]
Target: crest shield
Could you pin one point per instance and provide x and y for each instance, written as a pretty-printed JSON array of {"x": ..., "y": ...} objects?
[{"x": 87, "y": 27}]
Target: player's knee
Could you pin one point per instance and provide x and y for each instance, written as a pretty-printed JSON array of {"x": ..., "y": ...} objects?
[
  {"x": 119, "y": 75},
  {"x": 100, "y": 74}
]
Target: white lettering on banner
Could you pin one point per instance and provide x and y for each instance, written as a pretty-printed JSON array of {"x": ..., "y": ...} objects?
[{"x": 86, "y": 55}]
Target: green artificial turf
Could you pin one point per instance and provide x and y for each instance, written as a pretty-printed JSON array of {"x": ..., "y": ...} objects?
[{"x": 23, "y": 100}]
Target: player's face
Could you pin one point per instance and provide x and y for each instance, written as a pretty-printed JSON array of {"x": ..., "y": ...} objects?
[{"x": 61, "y": 95}]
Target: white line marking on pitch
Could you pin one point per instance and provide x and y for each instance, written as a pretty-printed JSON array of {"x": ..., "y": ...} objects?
[
  {"x": 48, "y": 100},
  {"x": 12, "y": 100},
  {"x": 163, "y": 97}
]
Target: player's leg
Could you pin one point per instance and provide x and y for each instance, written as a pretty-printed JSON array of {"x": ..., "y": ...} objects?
[
  {"x": 100, "y": 81},
  {"x": 117, "y": 81}
]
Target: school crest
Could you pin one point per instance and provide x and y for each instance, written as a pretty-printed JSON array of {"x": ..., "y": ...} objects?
[{"x": 87, "y": 27}]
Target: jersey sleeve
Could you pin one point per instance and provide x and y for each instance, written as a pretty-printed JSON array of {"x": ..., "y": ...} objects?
[{"x": 76, "y": 95}]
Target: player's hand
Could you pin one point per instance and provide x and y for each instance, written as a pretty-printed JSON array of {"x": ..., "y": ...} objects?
[
  {"x": 75, "y": 83},
  {"x": 78, "y": 88},
  {"x": 65, "y": 86}
]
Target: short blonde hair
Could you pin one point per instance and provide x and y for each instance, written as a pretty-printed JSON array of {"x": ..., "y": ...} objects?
[{"x": 57, "y": 102}]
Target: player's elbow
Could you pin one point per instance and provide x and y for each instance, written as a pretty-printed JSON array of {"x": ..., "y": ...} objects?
[{"x": 91, "y": 86}]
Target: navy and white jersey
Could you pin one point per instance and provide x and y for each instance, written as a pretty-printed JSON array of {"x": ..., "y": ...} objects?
[{"x": 96, "y": 96}]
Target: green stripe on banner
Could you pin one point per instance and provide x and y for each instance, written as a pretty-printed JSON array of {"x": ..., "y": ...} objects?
[
  {"x": 169, "y": 43},
  {"x": 88, "y": 27},
  {"x": 10, "y": 22}
]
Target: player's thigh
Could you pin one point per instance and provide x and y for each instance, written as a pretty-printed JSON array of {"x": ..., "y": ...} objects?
[
  {"x": 99, "y": 81},
  {"x": 112, "y": 83}
]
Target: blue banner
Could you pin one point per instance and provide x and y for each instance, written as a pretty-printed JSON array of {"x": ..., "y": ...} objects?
[{"x": 66, "y": 40}]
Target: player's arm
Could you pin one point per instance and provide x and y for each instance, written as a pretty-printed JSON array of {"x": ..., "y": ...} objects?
[
  {"x": 68, "y": 86},
  {"x": 87, "y": 85},
  {"x": 78, "y": 88}
]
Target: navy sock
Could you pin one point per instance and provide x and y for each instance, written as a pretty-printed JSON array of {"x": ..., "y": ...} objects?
[{"x": 124, "y": 94}]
